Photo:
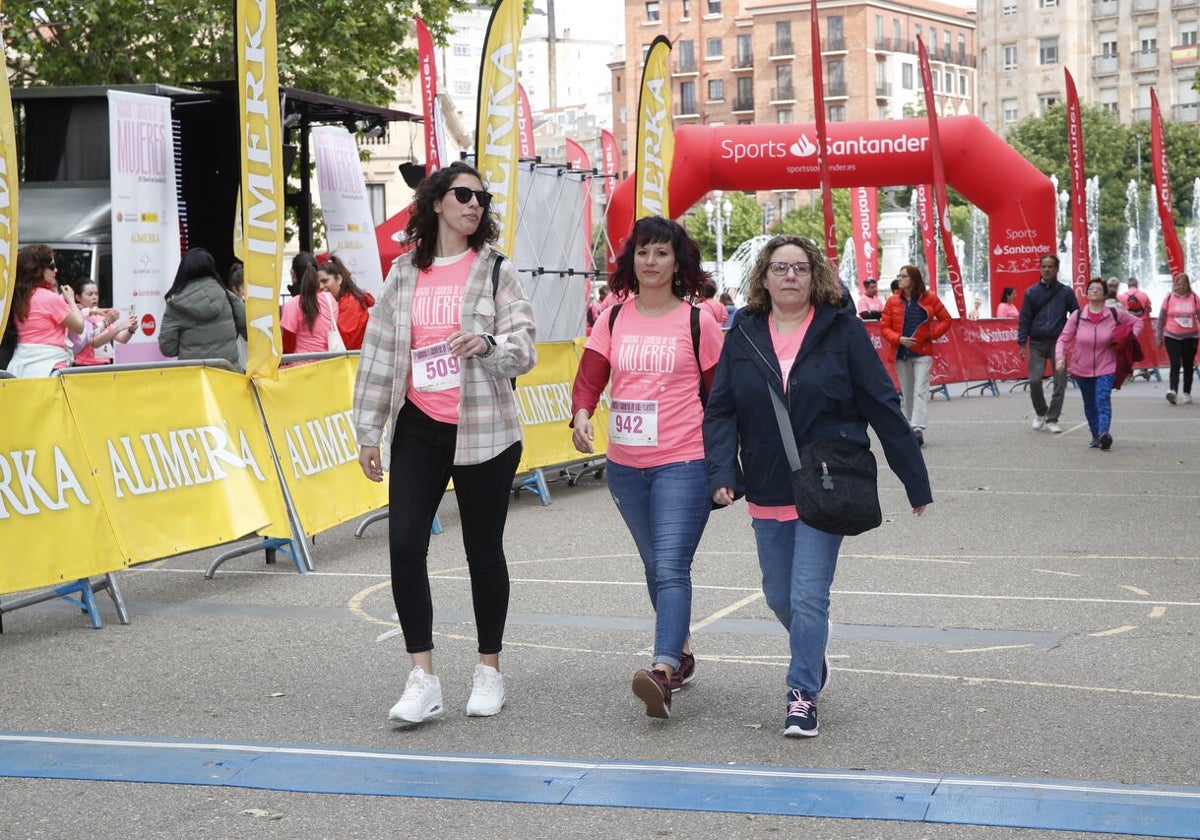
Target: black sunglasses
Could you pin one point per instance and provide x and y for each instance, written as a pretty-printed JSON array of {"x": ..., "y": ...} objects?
[
  {"x": 463, "y": 194},
  {"x": 53, "y": 266}
]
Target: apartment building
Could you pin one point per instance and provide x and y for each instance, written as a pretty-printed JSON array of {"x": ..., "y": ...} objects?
[
  {"x": 749, "y": 61},
  {"x": 1116, "y": 50}
]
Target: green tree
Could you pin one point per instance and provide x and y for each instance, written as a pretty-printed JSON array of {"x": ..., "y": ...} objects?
[
  {"x": 810, "y": 221},
  {"x": 745, "y": 221},
  {"x": 1111, "y": 152},
  {"x": 341, "y": 48}
]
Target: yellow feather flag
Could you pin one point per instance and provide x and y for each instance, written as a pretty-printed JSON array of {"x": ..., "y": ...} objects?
[
  {"x": 261, "y": 199},
  {"x": 497, "y": 134},
  {"x": 655, "y": 137},
  {"x": 8, "y": 201}
]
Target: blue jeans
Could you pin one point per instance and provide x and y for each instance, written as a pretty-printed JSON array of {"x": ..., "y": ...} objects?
[
  {"x": 665, "y": 509},
  {"x": 797, "y": 565},
  {"x": 1097, "y": 401}
]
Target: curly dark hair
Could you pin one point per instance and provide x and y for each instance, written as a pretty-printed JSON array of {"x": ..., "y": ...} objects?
[
  {"x": 690, "y": 278},
  {"x": 422, "y": 227},
  {"x": 825, "y": 287}
]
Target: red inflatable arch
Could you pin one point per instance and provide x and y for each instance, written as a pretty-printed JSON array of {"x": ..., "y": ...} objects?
[{"x": 1018, "y": 199}]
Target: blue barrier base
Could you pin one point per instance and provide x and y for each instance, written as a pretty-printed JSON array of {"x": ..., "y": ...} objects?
[{"x": 85, "y": 589}]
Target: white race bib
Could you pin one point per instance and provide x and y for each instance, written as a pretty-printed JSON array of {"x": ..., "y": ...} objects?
[
  {"x": 435, "y": 368},
  {"x": 1184, "y": 321},
  {"x": 633, "y": 422}
]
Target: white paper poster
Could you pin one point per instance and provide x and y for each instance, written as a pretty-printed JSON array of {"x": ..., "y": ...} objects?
[
  {"x": 145, "y": 215},
  {"x": 349, "y": 229}
]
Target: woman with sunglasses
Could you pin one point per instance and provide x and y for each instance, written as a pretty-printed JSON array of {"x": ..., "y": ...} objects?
[
  {"x": 41, "y": 315},
  {"x": 911, "y": 322},
  {"x": 799, "y": 339},
  {"x": 656, "y": 347},
  {"x": 433, "y": 401}
]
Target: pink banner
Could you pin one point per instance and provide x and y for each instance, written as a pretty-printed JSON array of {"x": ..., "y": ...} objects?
[
  {"x": 429, "y": 103},
  {"x": 1081, "y": 260},
  {"x": 864, "y": 206},
  {"x": 577, "y": 158},
  {"x": 608, "y": 150},
  {"x": 528, "y": 148},
  {"x": 928, "y": 237},
  {"x": 818, "y": 81},
  {"x": 1163, "y": 185},
  {"x": 939, "y": 186}
]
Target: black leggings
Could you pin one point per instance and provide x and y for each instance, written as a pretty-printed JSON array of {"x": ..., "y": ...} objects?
[
  {"x": 1182, "y": 353},
  {"x": 422, "y": 464}
]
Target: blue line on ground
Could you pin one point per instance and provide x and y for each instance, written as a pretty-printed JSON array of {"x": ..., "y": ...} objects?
[{"x": 1016, "y": 803}]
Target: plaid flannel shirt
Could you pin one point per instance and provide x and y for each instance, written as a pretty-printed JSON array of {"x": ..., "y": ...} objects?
[{"x": 487, "y": 409}]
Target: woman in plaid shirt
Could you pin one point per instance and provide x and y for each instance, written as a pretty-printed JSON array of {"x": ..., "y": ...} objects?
[{"x": 433, "y": 392}]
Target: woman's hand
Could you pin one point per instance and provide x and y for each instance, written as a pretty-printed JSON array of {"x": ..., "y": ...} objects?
[
  {"x": 1061, "y": 364},
  {"x": 583, "y": 434},
  {"x": 466, "y": 344},
  {"x": 368, "y": 460},
  {"x": 723, "y": 495},
  {"x": 919, "y": 511},
  {"x": 907, "y": 341}
]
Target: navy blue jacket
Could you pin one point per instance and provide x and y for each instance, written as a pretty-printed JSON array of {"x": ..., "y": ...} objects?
[
  {"x": 1044, "y": 311},
  {"x": 836, "y": 387}
]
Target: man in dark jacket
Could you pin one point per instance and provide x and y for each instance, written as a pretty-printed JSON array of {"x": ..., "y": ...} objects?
[{"x": 1043, "y": 315}]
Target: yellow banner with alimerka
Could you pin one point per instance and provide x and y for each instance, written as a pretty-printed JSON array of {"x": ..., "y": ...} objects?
[
  {"x": 53, "y": 526},
  {"x": 308, "y": 413},
  {"x": 497, "y": 133},
  {"x": 260, "y": 206}
]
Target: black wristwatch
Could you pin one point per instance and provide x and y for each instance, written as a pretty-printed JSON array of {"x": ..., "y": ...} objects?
[{"x": 491, "y": 345}]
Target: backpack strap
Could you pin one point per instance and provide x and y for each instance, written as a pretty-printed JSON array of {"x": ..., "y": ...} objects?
[{"x": 694, "y": 318}]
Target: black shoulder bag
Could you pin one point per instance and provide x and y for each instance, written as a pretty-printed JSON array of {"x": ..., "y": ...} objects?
[{"x": 835, "y": 487}]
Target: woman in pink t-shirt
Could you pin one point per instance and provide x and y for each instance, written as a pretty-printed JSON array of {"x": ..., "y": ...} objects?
[
  {"x": 106, "y": 325},
  {"x": 308, "y": 317},
  {"x": 1178, "y": 329},
  {"x": 1007, "y": 308},
  {"x": 660, "y": 352},
  {"x": 41, "y": 314}
]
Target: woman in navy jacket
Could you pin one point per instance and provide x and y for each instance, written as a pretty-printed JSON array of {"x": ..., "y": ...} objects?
[{"x": 798, "y": 338}]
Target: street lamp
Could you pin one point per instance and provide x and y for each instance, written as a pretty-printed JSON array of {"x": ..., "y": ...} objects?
[{"x": 719, "y": 215}]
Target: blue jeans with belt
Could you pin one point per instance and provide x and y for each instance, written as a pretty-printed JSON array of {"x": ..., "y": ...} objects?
[{"x": 665, "y": 509}]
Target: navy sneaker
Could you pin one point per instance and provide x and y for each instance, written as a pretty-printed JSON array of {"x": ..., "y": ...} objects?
[
  {"x": 685, "y": 673},
  {"x": 1106, "y": 441},
  {"x": 654, "y": 689},
  {"x": 801, "y": 715}
]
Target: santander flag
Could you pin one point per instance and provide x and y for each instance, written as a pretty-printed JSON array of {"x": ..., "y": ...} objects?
[
  {"x": 1080, "y": 257},
  {"x": 1162, "y": 185},
  {"x": 608, "y": 150},
  {"x": 429, "y": 103},
  {"x": 525, "y": 124},
  {"x": 822, "y": 137},
  {"x": 864, "y": 204}
]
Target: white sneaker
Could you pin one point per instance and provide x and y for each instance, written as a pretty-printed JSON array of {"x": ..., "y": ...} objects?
[
  {"x": 487, "y": 693},
  {"x": 1038, "y": 423},
  {"x": 1187, "y": 399},
  {"x": 421, "y": 700},
  {"x": 1053, "y": 428}
]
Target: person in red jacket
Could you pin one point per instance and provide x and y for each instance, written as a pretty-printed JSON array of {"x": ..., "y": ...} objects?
[
  {"x": 912, "y": 320},
  {"x": 353, "y": 302}
]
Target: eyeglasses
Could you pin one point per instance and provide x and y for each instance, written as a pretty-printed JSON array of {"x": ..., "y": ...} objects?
[
  {"x": 53, "y": 266},
  {"x": 780, "y": 269},
  {"x": 463, "y": 194}
]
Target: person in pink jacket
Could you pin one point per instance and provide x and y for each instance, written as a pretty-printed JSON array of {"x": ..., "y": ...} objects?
[{"x": 1090, "y": 337}]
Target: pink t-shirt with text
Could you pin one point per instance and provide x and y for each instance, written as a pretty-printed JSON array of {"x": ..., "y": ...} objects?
[
  {"x": 787, "y": 348},
  {"x": 315, "y": 340},
  {"x": 653, "y": 362},
  {"x": 436, "y": 313},
  {"x": 44, "y": 321}
]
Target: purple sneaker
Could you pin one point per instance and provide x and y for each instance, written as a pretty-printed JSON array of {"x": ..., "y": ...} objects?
[
  {"x": 654, "y": 689},
  {"x": 685, "y": 673}
]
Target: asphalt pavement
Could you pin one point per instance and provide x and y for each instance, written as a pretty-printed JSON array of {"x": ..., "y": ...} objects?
[{"x": 1024, "y": 654}]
